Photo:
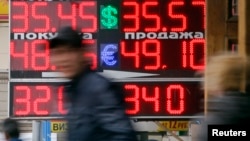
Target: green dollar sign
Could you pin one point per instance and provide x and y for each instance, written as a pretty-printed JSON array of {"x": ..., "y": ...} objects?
[{"x": 109, "y": 20}]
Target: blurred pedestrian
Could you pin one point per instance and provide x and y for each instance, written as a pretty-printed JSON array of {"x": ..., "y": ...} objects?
[
  {"x": 227, "y": 102},
  {"x": 97, "y": 111},
  {"x": 11, "y": 130}
]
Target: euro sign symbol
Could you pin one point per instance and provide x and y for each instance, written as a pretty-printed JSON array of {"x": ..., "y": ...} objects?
[
  {"x": 109, "y": 20},
  {"x": 108, "y": 54}
]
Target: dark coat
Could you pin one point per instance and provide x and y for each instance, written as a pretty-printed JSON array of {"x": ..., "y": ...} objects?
[
  {"x": 97, "y": 111},
  {"x": 231, "y": 108}
]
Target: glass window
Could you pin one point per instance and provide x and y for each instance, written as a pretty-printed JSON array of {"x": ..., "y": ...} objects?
[
  {"x": 233, "y": 45},
  {"x": 234, "y": 9}
]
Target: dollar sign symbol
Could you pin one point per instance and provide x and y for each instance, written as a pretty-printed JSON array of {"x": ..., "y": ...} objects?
[{"x": 109, "y": 20}]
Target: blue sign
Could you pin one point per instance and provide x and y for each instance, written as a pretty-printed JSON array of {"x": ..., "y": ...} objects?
[
  {"x": 46, "y": 132},
  {"x": 109, "y": 54}
]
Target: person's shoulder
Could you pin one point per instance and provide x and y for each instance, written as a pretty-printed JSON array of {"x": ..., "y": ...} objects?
[
  {"x": 95, "y": 77},
  {"x": 101, "y": 82},
  {"x": 95, "y": 81}
]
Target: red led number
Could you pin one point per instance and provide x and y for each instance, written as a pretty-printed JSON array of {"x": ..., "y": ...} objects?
[
  {"x": 93, "y": 57},
  {"x": 29, "y": 13},
  {"x": 25, "y": 16},
  {"x": 44, "y": 55},
  {"x": 69, "y": 16},
  {"x": 202, "y": 4},
  {"x": 91, "y": 52},
  {"x": 180, "y": 17},
  {"x": 24, "y": 100},
  {"x": 132, "y": 17},
  {"x": 25, "y": 103},
  {"x": 35, "y": 100},
  {"x": 145, "y": 45},
  {"x": 155, "y": 26},
  {"x": 175, "y": 90},
  {"x": 154, "y": 99},
  {"x": 188, "y": 53},
  {"x": 134, "y": 54},
  {"x": 34, "y": 55},
  {"x": 20, "y": 55},
  {"x": 85, "y": 17},
  {"x": 89, "y": 17},
  {"x": 40, "y": 17},
  {"x": 154, "y": 18},
  {"x": 154, "y": 55},
  {"x": 173, "y": 106},
  {"x": 22, "y": 19},
  {"x": 60, "y": 101},
  {"x": 45, "y": 93},
  {"x": 134, "y": 99}
]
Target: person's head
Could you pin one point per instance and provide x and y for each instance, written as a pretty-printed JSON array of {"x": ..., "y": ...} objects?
[
  {"x": 11, "y": 128},
  {"x": 66, "y": 52},
  {"x": 224, "y": 72}
]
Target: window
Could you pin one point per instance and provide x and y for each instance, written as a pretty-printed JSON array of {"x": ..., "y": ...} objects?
[
  {"x": 234, "y": 7},
  {"x": 233, "y": 45}
]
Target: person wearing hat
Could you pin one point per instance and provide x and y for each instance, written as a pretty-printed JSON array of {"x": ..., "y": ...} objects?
[
  {"x": 96, "y": 111},
  {"x": 11, "y": 130}
]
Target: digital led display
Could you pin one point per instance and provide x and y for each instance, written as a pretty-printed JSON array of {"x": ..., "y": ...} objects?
[
  {"x": 146, "y": 45},
  {"x": 164, "y": 37},
  {"x": 47, "y": 17},
  {"x": 34, "y": 55},
  {"x": 34, "y": 99}
]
